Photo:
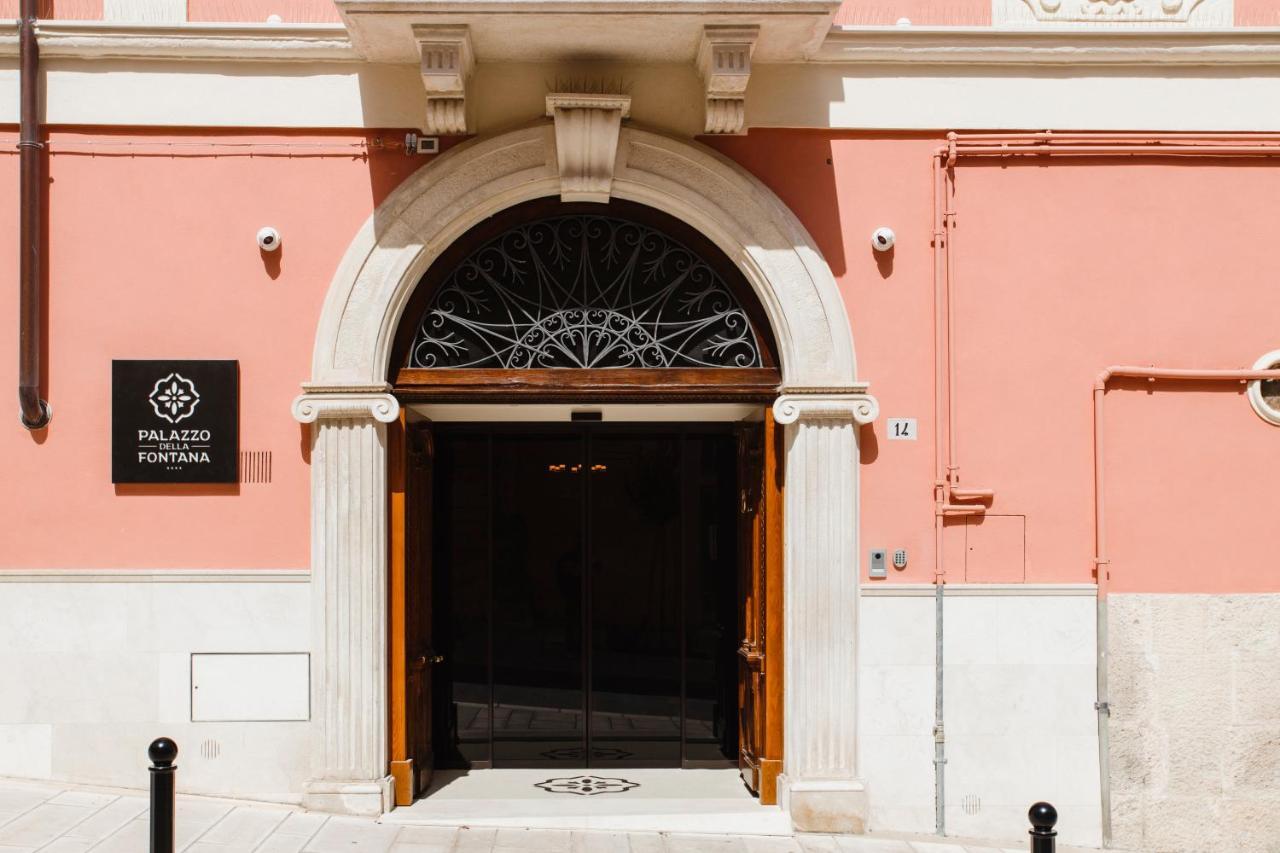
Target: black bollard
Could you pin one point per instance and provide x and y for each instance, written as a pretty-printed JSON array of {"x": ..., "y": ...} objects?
[
  {"x": 162, "y": 752},
  {"x": 1043, "y": 817}
]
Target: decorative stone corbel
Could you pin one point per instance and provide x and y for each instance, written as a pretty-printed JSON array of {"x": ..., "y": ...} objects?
[
  {"x": 446, "y": 64},
  {"x": 587, "y": 128},
  {"x": 724, "y": 61}
]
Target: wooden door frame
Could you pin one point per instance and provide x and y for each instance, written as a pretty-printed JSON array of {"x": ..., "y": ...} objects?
[
  {"x": 760, "y": 603},
  {"x": 399, "y": 742},
  {"x": 402, "y": 770},
  {"x": 774, "y": 613}
]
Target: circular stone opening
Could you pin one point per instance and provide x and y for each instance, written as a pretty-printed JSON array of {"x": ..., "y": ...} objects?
[{"x": 1264, "y": 395}]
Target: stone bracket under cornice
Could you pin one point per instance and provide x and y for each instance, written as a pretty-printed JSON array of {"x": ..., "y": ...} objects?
[
  {"x": 446, "y": 60},
  {"x": 724, "y": 62},
  {"x": 587, "y": 128}
]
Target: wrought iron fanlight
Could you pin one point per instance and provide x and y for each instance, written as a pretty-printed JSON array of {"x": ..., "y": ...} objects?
[{"x": 584, "y": 291}]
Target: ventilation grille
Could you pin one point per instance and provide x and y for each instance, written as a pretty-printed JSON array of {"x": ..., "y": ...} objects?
[
  {"x": 255, "y": 466},
  {"x": 210, "y": 749},
  {"x": 971, "y": 804}
]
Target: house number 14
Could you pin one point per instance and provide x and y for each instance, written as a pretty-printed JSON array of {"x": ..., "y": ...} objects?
[{"x": 902, "y": 429}]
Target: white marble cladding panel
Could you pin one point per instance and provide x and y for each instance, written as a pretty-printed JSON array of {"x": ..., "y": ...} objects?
[
  {"x": 1020, "y": 726},
  {"x": 94, "y": 670},
  {"x": 895, "y": 711},
  {"x": 1195, "y": 721}
]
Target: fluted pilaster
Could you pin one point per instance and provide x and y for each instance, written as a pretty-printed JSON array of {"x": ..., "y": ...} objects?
[
  {"x": 349, "y": 595},
  {"x": 821, "y": 783}
]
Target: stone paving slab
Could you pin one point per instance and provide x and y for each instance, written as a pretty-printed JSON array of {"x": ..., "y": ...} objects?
[{"x": 37, "y": 817}]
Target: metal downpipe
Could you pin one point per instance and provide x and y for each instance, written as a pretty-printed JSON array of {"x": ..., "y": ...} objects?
[
  {"x": 35, "y": 410},
  {"x": 939, "y": 732},
  {"x": 942, "y": 480}
]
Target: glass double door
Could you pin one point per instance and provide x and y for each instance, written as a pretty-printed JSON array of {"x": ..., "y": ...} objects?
[{"x": 585, "y": 596}]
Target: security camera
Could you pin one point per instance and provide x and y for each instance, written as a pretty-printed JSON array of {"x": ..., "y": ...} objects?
[
  {"x": 882, "y": 239},
  {"x": 268, "y": 239}
]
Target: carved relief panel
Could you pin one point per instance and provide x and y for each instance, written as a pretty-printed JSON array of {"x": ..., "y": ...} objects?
[{"x": 1177, "y": 13}]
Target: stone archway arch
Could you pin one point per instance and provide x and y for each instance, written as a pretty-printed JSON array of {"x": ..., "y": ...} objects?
[
  {"x": 348, "y": 402},
  {"x": 476, "y": 180}
]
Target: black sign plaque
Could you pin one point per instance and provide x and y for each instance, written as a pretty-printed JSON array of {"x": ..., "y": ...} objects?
[{"x": 175, "y": 421}]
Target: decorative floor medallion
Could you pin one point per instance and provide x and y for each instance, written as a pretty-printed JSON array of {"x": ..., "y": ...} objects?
[{"x": 587, "y": 786}]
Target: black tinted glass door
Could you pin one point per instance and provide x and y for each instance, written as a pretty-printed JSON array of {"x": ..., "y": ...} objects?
[{"x": 585, "y": 578}]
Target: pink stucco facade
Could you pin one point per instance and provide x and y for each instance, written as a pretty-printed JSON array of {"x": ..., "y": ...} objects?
[
  {"x": 184, "y": 284},
  {"x": 1062, "y": 269}
]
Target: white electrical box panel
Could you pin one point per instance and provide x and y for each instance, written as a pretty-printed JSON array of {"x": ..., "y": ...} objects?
[{"x": 239, "y": 687}]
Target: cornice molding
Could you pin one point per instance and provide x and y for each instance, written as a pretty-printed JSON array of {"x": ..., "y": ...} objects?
[
  {"x": 952, "y": 46},
  {"x": 626, "y": 31},
  {"x": 256, "y": 42},
  {"x": 988, "y": 46}
]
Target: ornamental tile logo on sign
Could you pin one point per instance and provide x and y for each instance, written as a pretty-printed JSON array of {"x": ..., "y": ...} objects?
[
  {"x": 175, "y": 421},
  {"x": 174, "y": 398}
]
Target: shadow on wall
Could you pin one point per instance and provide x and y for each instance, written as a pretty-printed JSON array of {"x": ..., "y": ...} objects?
[
  {"x": 382, "y": 104},
  {"x": 798, "y": 166},
  {"x": 884, "y": 261},
  {"x": 177, "y": 489},
  {"x": 868, "y": 445}
]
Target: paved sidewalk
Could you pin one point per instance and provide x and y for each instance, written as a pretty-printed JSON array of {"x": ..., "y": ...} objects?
[{"x": 50, "y": 818}]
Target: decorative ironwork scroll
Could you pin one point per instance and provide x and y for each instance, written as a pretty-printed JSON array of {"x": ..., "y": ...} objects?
[{"x": 584, "y": 291}]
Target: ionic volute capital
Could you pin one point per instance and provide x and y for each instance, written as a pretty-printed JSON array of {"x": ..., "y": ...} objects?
[
  {"x": 323, "y": 403},
  {"x": 852, "y": 405}
]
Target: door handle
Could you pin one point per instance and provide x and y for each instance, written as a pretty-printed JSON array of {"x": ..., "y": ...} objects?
[{"x": 423, "y": 660}]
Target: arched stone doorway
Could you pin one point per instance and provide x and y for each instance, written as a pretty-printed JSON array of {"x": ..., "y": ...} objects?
[{"x": 821, "y": 403}]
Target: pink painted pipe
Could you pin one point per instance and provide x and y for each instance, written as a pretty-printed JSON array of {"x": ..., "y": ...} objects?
[
  {"x": 949, "y": 499},
  {"x": 1121, "y": 371}
]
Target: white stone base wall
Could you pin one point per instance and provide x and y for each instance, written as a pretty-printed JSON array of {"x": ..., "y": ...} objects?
[
  {"x": 1195, "y": 722},
  {"x": 1019, "y": 692},
  {"x": 95, "y": 666}
]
